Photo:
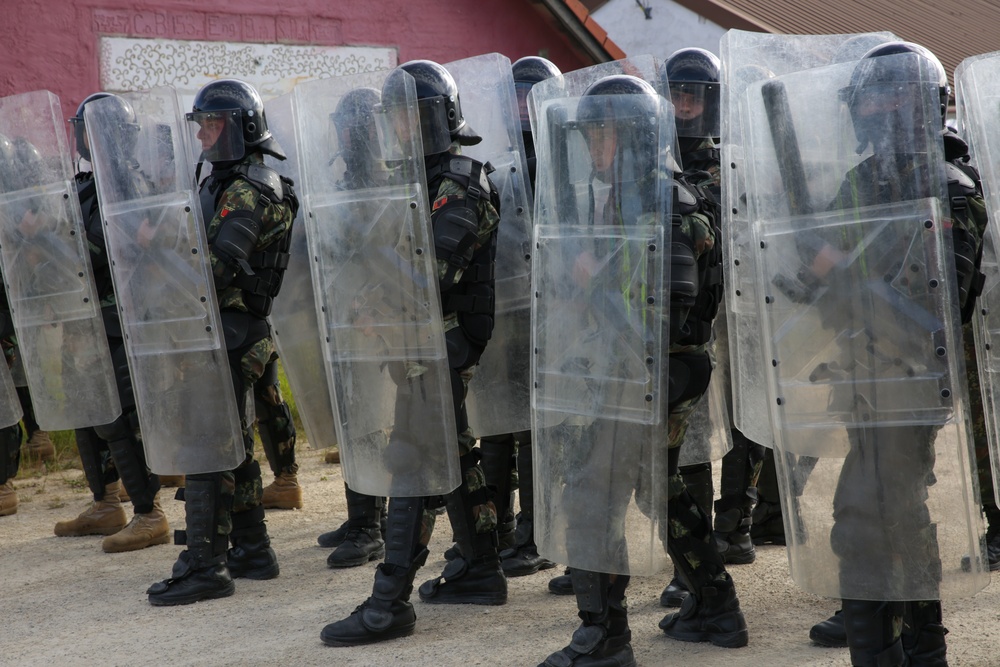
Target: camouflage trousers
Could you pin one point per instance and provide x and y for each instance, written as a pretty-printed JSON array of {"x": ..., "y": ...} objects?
[{"x": 978, "y": 415}]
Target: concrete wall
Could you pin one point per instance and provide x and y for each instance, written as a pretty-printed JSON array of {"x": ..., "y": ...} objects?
[{"x": 670, "y": 27}]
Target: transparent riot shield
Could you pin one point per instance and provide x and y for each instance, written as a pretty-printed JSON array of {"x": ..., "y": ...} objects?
[
  {"x": 368, "y": 223},
  {"x": 862, "y": 336},
  {"x": 293, "y": 315},
  {"x": 164, "y": 286},
  {"x": 498, "y": 393},
  {"x": 46, "y": 266},
  {"x": 708, "y": 436},
  {"x": 747, "y": 58},
  {"x": 977, "y": 100},
  {"x": 600, "y": 331}
]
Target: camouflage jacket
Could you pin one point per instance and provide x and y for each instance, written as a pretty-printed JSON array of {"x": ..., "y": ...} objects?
[{"x": 241, "y": 194}]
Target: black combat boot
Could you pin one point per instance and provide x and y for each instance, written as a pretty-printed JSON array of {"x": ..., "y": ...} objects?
[
  {"x": 333, "y": 538},
  {"x": 523, "y": 559},
  {"x": 603, "y": 638},
  {"x": 766, "y": 525},
  {"x": 200, "y": 572},
  {"x": 387, "y": 613},
  {"x": 711, "y": 613},
  {"x": 698, "y": 480},
  {"x": 474, "y": 577},
  {"x": 562, "y": 584},
  {"x": 364, "y": 540},
  {"x": 830, "y": 632},
  {"x": 871, "y": 635},
  {"x": 923, "y": 635},
  {"x": 251, "y": 556}
]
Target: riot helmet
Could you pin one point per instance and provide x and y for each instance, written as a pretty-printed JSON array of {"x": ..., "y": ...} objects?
[
  {"x": 438, "y": 105},
  {"x": 31, "y": 166},
  {"x": 885, "y": 90},
  {"x": 618, "y": 117},
  {"x": 528, "y": 71},
  {"x": 354, "y": 137},
  {"x": 230, "y": 119},
  {"x": 119, "y": 112},
  {"x": 692, "y": 76}
]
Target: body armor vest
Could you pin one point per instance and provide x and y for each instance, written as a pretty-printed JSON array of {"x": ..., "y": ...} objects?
[
  {"x": 695, "y": 285},
  {"x": 260, "y": 280},
  {"x": 472, "y": 298}
]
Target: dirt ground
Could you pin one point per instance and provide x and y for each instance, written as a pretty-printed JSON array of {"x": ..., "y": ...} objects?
[{"x": 65, "y": 602}]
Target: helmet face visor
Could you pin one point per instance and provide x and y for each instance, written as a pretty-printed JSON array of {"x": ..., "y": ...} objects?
[
  {"x": 696, "y": 108},
  {"x": 218, "y": 134}
]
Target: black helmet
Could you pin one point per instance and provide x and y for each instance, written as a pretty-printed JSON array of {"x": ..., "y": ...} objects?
[
  {"x": 528, "y": 71},
  {"x": 629, "y": 105},
  {"x": 30, "y": 163},
  {"x": 120, "y": 112},
  {"x": 9, "y": 177},
  {"x": 692, "y": 76},
  {"x": 441, "y": 119},
  {"x": 856, "y": 46},
  {"x": 354, "y": 128},
  {"x": 877, "y": 78},
  {"x": 238, "y": 105}
]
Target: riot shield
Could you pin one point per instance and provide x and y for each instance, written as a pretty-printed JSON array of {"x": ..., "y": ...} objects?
[
  {"x": 293, "y": 315},
  {"x": 46, "y": 265},
  {"x": 368, "y": 224},
  {"x": 497, "y": 402},
  {"x": 862, "y": 335},
  {"x": 600, "y": 331},
  {"x": 164, "y": 287},
  {"x": 749, "y": 57},
  {"x": 977, "y": 100},
  {"x": 708, "y": 436}
]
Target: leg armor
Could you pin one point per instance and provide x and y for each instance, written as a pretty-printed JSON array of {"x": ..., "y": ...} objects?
[
  {"x": 364, "y": 539},
  {"x": 873, "y": 633},
  {"x": 10, "y": 452},
  {"x": 499, "y": 461},
  {"x": 251, "y": 556},
  {"x": 30, "y": 423},
  {"x": 738, "y": 497},
  {"x": 130, "y": 460},
  {"x": 603, "y": 637},
  {"x": 274, "y": 422},
  {"x": 98, "y": 466},
  {"x": 923, "y": 634}
]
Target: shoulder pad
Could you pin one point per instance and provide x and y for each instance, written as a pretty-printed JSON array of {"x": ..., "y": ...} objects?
[
  {"x": 959, "y": 177},
  {"x": 955, "y": 147},
  {"x": 266, "y": 179},
  {"x": 685, "y": 197},
  {"x": 461, "y": 165}
]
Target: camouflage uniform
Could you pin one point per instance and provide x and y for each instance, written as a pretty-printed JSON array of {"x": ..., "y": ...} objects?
[
  {"x": 10, "y": 437},
  {"x": 249, "y": 359}
]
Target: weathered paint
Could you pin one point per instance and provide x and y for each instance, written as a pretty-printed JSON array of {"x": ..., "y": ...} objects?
[{"x": 55, "y": 45}]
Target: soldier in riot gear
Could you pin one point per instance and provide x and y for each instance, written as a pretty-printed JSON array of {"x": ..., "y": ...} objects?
[
  {"x": 503, "y": 453},
  {"x": 113, "y": 452},
  {"x": 889, "y": 471},
  {"x": 464, "y": 218},
  {"x": 615, "y": 118},
  {"x": 692, "y": 76},
  {"x": 248, "y": 210},
  {"x": 361, "y": 538}
]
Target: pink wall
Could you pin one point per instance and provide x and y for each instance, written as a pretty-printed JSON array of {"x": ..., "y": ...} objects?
[{"x": 53, "y": 44}]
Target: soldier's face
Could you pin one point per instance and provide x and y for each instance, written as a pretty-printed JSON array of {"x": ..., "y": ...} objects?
[
  {"x": 687, "y": 106},
  {"x": 209, "y": 131},
  {"x": 601, "y": 141}
]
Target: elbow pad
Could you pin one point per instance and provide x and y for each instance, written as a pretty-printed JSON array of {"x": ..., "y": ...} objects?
[
  {"x": 456, "y": 232},
  {"x": 235, "y": 241}
]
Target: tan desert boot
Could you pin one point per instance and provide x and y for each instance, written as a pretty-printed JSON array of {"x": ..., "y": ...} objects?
[
  {"x": 332, "y": 455},
  {"x": 284, "y": 493},
  {"x": 40, "y": 446},
  {"x": 171, "y": 480},
  {"x": 144, "y": 530},
  {"x": 103, "y": 517},
  {"x": 8, "y": 499}
]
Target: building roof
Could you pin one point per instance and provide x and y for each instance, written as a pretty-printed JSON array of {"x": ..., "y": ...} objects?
[
  {"x": 574, "y": 17},
  {"x": 952, "y": 29}
]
